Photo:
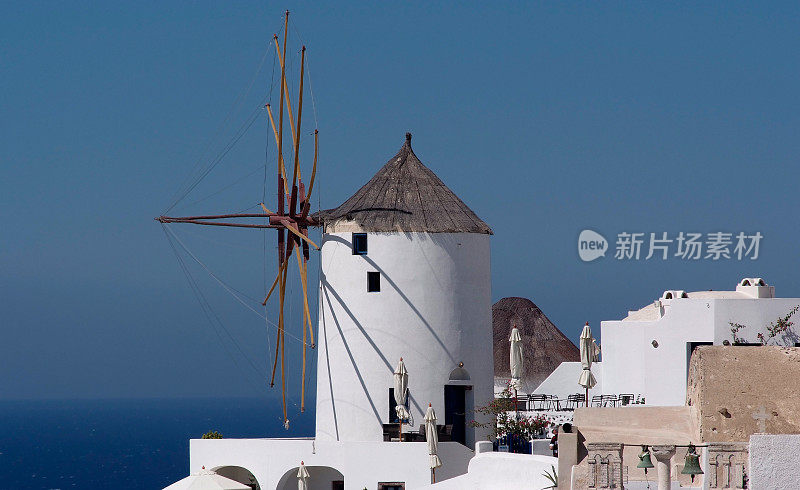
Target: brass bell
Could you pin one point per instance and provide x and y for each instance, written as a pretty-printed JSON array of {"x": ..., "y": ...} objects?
[
  {"x": 644, "y": 459},
  {"x": 691, "y": 465}
]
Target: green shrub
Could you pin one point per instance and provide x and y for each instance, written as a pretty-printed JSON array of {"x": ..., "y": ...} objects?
[{"x": 212, "y": 434}]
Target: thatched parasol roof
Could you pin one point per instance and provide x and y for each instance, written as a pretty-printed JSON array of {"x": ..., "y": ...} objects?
[
  {"x": 404, "y": 196},
  {"x": 544, "y": 347}
]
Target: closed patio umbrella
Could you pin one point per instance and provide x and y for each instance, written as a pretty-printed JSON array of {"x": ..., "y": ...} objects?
[
  {"x": 432, "y": 436},
  {"x": 595, "y": 351},
  {"x": 401, "y": 392},
  {"x": 516, "y": 361},
  {"x": 302, "y": 476},
  {"x": 207, "y": 480},
  {"x": 587, "y": 354},
  {"x": 516, "y": 357}
]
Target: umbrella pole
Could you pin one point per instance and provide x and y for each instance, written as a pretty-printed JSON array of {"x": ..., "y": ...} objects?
[
  {"x": 587, "y": 397},
  {"x": 516, "y": 401},
  {"x": 433, "y": 475}
]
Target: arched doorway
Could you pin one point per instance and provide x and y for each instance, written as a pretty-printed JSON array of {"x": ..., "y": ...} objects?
[
  {"x": 458, "y": 403},
  {"x": 242, "y": 475},
  {"x": 320, "y": 478}
]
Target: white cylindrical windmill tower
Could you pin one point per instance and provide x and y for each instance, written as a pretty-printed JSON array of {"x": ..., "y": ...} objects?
[{"x": 405, "y": 273}]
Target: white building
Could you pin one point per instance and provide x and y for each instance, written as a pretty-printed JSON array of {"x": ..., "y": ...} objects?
[
  {"x": 648, "y": 351},
  {"x": 405, "y": 273},
  {"x": 426, "y": 254}
]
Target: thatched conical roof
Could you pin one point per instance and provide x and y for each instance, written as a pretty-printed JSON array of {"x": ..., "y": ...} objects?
[
  {"x": 404, "y": 196},
  {"x": 544, "y": 346}
]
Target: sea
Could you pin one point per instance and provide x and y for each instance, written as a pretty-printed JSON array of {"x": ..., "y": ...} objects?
[{"x": 123, "y": 444}]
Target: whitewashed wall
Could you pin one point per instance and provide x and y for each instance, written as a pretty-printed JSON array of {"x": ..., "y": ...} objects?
[
  {"x": 434, "y": 310},
  {"x": 363, "y": 464},
  {"x": 491, "y": 471},
  {"x": 563, "y": 381},
  {"x": 774, "y": 461},
  {"x": 632, "y": 365}
]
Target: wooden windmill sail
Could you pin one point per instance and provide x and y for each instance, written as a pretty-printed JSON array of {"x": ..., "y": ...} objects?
[{"x": 291, "y": 218}]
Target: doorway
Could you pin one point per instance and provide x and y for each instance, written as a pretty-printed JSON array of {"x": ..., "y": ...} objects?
[{"x": 455, "y": 411}]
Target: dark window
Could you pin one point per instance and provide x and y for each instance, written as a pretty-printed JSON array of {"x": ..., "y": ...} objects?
[
  {"x": 391, "y": 485},
  {"x": 337, "y": 485},
  {"x": 695, "y": 345},
  {"x": 373, "y": 282},
  {"x": 359, "y": 244},
  {"x": 690, "y": 347}
]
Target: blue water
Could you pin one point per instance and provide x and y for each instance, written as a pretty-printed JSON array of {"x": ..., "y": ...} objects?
[{"x": 122, "y": 444}]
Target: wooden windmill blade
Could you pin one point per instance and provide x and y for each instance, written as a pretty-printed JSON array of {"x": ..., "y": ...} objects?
[
  {"x": 281, "y": 167},
  {"x": 313, "y": 176},
  {"x": 281, "y": 234},
  {"x": 291, "y": 219},
  {"x": 296, "y": 136},
  {"x": 282, "y": 61}
]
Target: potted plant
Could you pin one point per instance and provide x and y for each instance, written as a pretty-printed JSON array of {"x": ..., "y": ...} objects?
[{"x": 517, "y": 430}]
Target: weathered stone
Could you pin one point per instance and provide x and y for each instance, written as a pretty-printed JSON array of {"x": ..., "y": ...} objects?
[
  {"x": 727, "y": 464},
  {"x": 605, "y": 465},
  {"x": 756, "y": 386},
  {"x": 663, "y": 454},
  {"x": 633, "y": 426}
]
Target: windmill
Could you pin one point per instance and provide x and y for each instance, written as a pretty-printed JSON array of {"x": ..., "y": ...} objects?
[{"x": 291, "y": 218}]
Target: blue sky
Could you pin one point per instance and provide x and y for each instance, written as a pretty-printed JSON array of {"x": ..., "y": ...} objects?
[{"x": 545, "y": 118}]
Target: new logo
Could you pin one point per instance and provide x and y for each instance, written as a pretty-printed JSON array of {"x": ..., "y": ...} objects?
[{"x": 591, "y": 245}]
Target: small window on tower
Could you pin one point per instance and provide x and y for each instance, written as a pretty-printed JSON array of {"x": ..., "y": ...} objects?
[
  {"x": 373, "y": 282},
  {"x": 359, "y": 244},
  {"x": 395, "y": 485}
]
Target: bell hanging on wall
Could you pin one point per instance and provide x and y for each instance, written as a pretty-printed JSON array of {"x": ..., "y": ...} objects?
[
  {"x": 691, "y": 465},
  {"x": 644, "y": 460}
]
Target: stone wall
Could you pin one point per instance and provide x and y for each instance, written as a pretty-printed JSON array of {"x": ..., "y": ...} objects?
[
  {"x": 610, "y": 441},
  {"x": 632, "y": 424},
  {"x": 739, "y": 391},
  {"x": 727, "y": 465}
]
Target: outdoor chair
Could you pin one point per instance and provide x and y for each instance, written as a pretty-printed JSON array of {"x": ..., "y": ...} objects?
[
  {"x": 553, "y": 403},
  {"x": 391, "y": 431},
  {"x": 626, "y": 399},
  {"x": 609, "y": 400},
  {"x": 537, "y": 402},
  {"x": 413, "y": 437},
  {"x": 575, "y": 401},
  {"x": 597, "y": 401},
  {"x": 445, "y": 432}
]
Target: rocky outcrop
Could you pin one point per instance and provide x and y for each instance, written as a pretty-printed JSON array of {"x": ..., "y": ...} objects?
[{"x": 544, "y": 346}]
